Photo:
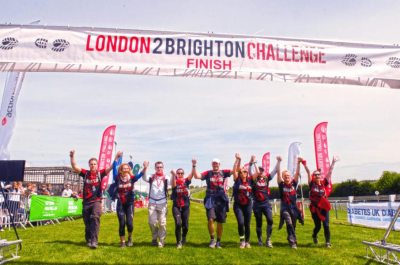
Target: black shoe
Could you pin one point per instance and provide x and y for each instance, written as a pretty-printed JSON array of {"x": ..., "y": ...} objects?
[
  {"x": 154, "y": 242},
  {"x": 315, "y": 238},
  {"x": 130, "y": 243},
  {"x": 183, "y": 240},
  {"x": 122, "y": 245}
]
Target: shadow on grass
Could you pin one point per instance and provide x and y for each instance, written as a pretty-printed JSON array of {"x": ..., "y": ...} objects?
[{"x": 367, "y": 261}]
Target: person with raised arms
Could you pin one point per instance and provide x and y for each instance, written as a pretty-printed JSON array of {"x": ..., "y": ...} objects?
[
  {"x": 158, "y": 204},
  {"x": 320, "y": 205},
  {"x": 125, "y": 183},
  {"x": 289, "y": 210},
  {"x": 91, "y": 205},
  {"x": 216, "y": 202},
  {"x": 181, "y": 204},
  {"x": 261, "y": 203},
  {"x": 242, "y": 192}
]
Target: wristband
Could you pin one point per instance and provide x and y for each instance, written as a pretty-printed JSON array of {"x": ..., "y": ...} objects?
[
  {"x": 193, "y": 166},
  {"x": 71, "y": 156}
]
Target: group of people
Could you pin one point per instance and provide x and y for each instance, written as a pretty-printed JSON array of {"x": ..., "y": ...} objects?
[{"x": 250, "y": 191}]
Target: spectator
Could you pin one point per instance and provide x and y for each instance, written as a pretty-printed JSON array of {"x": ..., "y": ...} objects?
[
  {"x": 20, "y": 188},
  {"x": 46, "y": 193},
  {"x": 141, "y": 197},
  {"x": 42, "y": 190},
  {"x": 67, "y": 192},
  {"x": 137, "y": 197},
  {"x": 14, "y": 199},
  {"x": 49, "y": 189},
  {"x": 34, "y": 189},
  {"x": 74, "y": 195}
]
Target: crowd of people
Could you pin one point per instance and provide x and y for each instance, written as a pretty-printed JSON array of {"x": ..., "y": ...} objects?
[{"x": 250, "y": 191}]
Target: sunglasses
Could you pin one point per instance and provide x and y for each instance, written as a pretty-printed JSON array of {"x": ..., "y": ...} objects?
[
  {"x": 315, "y": 175},
  {"x": 245, "y": 172},
  {"x": 180, "y": 173},
  {"x": 159, "y": 167}
]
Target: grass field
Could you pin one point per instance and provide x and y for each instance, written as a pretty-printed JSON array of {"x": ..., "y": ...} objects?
[{"x": 64, "y": 243}]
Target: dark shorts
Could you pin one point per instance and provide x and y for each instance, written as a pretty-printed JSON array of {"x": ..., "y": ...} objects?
[{"x": 217, "y": 212}]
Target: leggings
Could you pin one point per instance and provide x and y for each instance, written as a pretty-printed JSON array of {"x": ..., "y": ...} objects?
[
  {"x": 181, "y": 216},
  {"x": 125, "y": 211},
  {"x": 317, "y": 222},
  {"x": 243, "y": 217},
  {"x": 265, "y": 210}
]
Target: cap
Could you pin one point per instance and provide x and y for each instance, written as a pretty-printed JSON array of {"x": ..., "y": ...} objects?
[
  {"x": 216, "y": 160},
  {"x": 261, "y": 168}
]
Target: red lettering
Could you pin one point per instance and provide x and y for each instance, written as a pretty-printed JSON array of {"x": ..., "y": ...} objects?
[
  {"x": 294, "y": 54},
  {"x": 311, "y": 59},
  {"x": 217, "y": 64},
  {"x": 189, "y": 62},
  {"x": 100, "y": 48},
  {"x": 88, "y": 43},
  {"x": 136, "y": 46},
  {"x": 144, "y": 45},
  {"x": 285, "y": 53},
  {"x": 125, "y": 39},
  {"x": 304, "y": 55},
  {"x": 320, "y": 57},
  {"x": 228, "y": 64},
  {"x": 277, "y": 54},
  {"x": 248, "y": 50},
  {"x": 260, "y": 51},
  {"x": 111, "y": 43},
  {"x": 204, "y": 63},
  {"x": 270, "y": 52}
]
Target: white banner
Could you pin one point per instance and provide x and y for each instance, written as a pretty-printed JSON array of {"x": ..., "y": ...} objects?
[
  {"x": 33, "y": 48},
  {"x": 373, "y": 214},
  {"x": 8, "y": 111},
  {"x": 294, "y": 153}
]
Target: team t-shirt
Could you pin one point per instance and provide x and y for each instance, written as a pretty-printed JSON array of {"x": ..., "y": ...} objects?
[
  {"x": 242, "y": 191},
  {"x": 318, "y": 191},
  {"x": 215, "y": 180},
  {"x": 261, "y": 188},
  {"x": 288, "y": 192},
  {"x": 126, "y": 190},
  {"x": 92, "y": 184},
  {"x": 181, "y": 192}
]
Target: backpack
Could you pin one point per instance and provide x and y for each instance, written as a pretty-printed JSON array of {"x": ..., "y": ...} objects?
[{"x": 113, "y": 191}]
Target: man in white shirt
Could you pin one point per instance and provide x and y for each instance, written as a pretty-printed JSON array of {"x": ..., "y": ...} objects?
[
  {"x": 158, "y": 204},
  {"x": 67, "y": 192}
]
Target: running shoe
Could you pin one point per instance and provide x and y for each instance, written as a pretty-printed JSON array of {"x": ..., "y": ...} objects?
[
  {"x": 315, "y": 239},
  {"x": 269, "y": 243},
  {"x": 248, "y": 245},
  {"x": 183, "y": 240},
  {"x": 161, "y": 243},
  {"x": 179, "y": 246},
  {"x": 328, "y": 245},
  {"x": 130, "y": 242},
  {"x": 218, "y": 245},
  {"x": 89, "y": 244},
  {"x": 154, "y": 242},
  {"x": 94, "y": 245},
  {"x": 260, "y": 243},
  {"x": 212, "y": 243},
  {"x": 242, "y": 244},
  {"x": 122, "y": 245},
  {"x": 294, "y": 246}
]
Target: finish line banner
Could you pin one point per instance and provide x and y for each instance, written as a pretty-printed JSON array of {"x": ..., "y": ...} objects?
[
  {"x": 49, "y": 207},
  {"x": 34, "y": 48},
  {"x": 373, "y": 214}
]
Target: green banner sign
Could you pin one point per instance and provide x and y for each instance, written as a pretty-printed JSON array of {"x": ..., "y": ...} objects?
[{"x": 49, "y": 207}]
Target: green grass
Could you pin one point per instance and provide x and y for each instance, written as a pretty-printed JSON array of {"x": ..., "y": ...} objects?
[{"x": 64, "y": 243}]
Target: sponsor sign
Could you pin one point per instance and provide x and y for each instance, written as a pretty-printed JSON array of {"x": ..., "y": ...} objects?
[
  {"x": 35, "y": 48},
  {"x": 50, "y": 207},
  {"x": 106, "y": 150},
  {"x": 373, "y": 214}
]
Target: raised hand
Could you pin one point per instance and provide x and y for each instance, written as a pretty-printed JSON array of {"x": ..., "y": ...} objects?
[
  {"x": 279, "y": 158},
  {"x": 299, "y": 159},
  {"x": 72, "y": 152},
  {"x": 194, "y": 161},
  {"x": 146, "y": 164},
  {"x": 237, "y": 155},
  {"x": 336, "y": 158},
  {"x": 253, "y": 158},
  {"x": 119, "y": 154},
  {"x": 173, "y": 172}
]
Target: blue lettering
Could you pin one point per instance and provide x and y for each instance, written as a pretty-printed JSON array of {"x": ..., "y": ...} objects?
[
  {"x": 230, "y": 44},
  {"x": 169, "y": 48}
]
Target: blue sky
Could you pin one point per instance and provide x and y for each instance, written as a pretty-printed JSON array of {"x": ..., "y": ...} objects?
[{"x": 175, "y": 119}]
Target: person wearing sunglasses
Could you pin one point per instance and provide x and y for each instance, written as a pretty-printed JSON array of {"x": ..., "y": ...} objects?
[
  {"x": 242, "y": 192},
  {"x": 125, "y": 183},
  {"x": 181, "y": 204},
  {"x": 157, "y": 207},
  {"x": 320, "y": 205},
  {"x": 216, "y": 201},
  {"x": 261, "y": 203},
  {"x": 289, "y": 210}
]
